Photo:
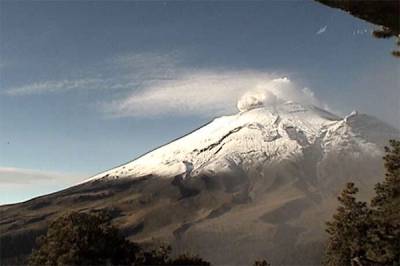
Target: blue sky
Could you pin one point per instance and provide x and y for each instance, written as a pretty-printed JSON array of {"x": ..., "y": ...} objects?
[{"x": 85, "y": 86}]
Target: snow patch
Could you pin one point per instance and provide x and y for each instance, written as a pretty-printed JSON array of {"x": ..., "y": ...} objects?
[
  {"x": 268, "y": 131},
  {"x": 352, "y": 114}
]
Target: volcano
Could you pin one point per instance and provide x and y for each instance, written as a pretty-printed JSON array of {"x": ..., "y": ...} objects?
[{"x": 257, "y": 184}]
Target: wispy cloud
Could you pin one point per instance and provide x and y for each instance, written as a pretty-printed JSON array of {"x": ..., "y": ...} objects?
[
  {"x": 322, "y": 30},
  {"x": 54, "y": 86},
  {"x": 206, "y": 93},
  {"x": 120, "y": 72},
  {"x": 151, "y": 85},
  {"x": 12, "y": 175},
  {"x": 29, "y": 183}
]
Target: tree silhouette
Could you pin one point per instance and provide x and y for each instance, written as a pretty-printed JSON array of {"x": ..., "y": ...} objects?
[
  {"x": 348, "y": 229},
  {"x": 261, "y": 263},
  {"x": 90, "y": 239},
  {"x": 362, "y": 235},
  {"x": 386, "y": 210},
  {"x": 83, "y": 239}
]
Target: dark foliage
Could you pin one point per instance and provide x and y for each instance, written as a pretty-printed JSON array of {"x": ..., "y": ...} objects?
[
  {"x": 348, "y": 229},
  {"x": 261, "y": 263},
  {"x": 188, "y": 260},
  {"x": 90, "y": 239},
  {"x": 14, "y": 250},
  {"x": 363, "y": 235},
  {"x": 162, "y": 256},
  {"x": 383, "y": 33},
  {"x": 388, "y": 192},
  {"x": 83, "y": 239},
  {"x": 384, "y": 246}
]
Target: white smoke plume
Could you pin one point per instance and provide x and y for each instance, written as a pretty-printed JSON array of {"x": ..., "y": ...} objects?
[
  {"x": 276, "y": 91},
  {"x": 209, "y": 94},
  {"x": 254, "y": 99}
]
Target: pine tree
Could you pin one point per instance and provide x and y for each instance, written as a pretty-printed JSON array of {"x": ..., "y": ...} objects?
[
  {"x": 90, "y": 239},
  {"x": 261, "y": 263},
  {"x": 384, "y": 246},
  {"x": 387, "y": 197},
  {"x": 347, "y": 230},
  {"x": 83, "y": 239},
  {"x": 365, "y": 236},
  {"x": 186, "y": 260}
]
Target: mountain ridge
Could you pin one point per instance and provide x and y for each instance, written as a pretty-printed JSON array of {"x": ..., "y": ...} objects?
[
  {"x": 260, "y": 183},
  {"x": 216, "y": 133}
]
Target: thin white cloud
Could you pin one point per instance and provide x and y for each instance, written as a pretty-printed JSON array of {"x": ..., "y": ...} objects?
[
  {"x": 151, "y": 85},
  {"x": 29, "y": 183},
  {"x": 208, "y": 93},
  {"x": 12, "y": 175},
  {"x": 322, "y": 30},
  {"x": 54, "y": 86},
  {"x": 120, "y": 72}
]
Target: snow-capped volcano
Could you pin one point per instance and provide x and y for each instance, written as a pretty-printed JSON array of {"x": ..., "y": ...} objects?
[
  {"x": 259, "y": 139},
  {"x": 257, "y": 184}
]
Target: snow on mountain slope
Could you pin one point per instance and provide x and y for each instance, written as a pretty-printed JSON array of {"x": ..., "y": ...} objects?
[
  {"x": 257, "y": 184},
  {"x": 257, "y": 138}
]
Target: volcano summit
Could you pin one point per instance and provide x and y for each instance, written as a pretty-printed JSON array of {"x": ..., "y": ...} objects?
[{"x": 257, "y": 184}]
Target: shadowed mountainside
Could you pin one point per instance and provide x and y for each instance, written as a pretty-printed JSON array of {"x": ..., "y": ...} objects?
[
  {"x": 258, "y": 184},
  {"x": 280, "y": 217}
]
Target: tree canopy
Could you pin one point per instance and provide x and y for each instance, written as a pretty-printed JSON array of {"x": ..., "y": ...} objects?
[
  {"x": 361, "y": 234},
  {"x": 83, "y": 239},
  {"x": 89, "y": 239}
]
